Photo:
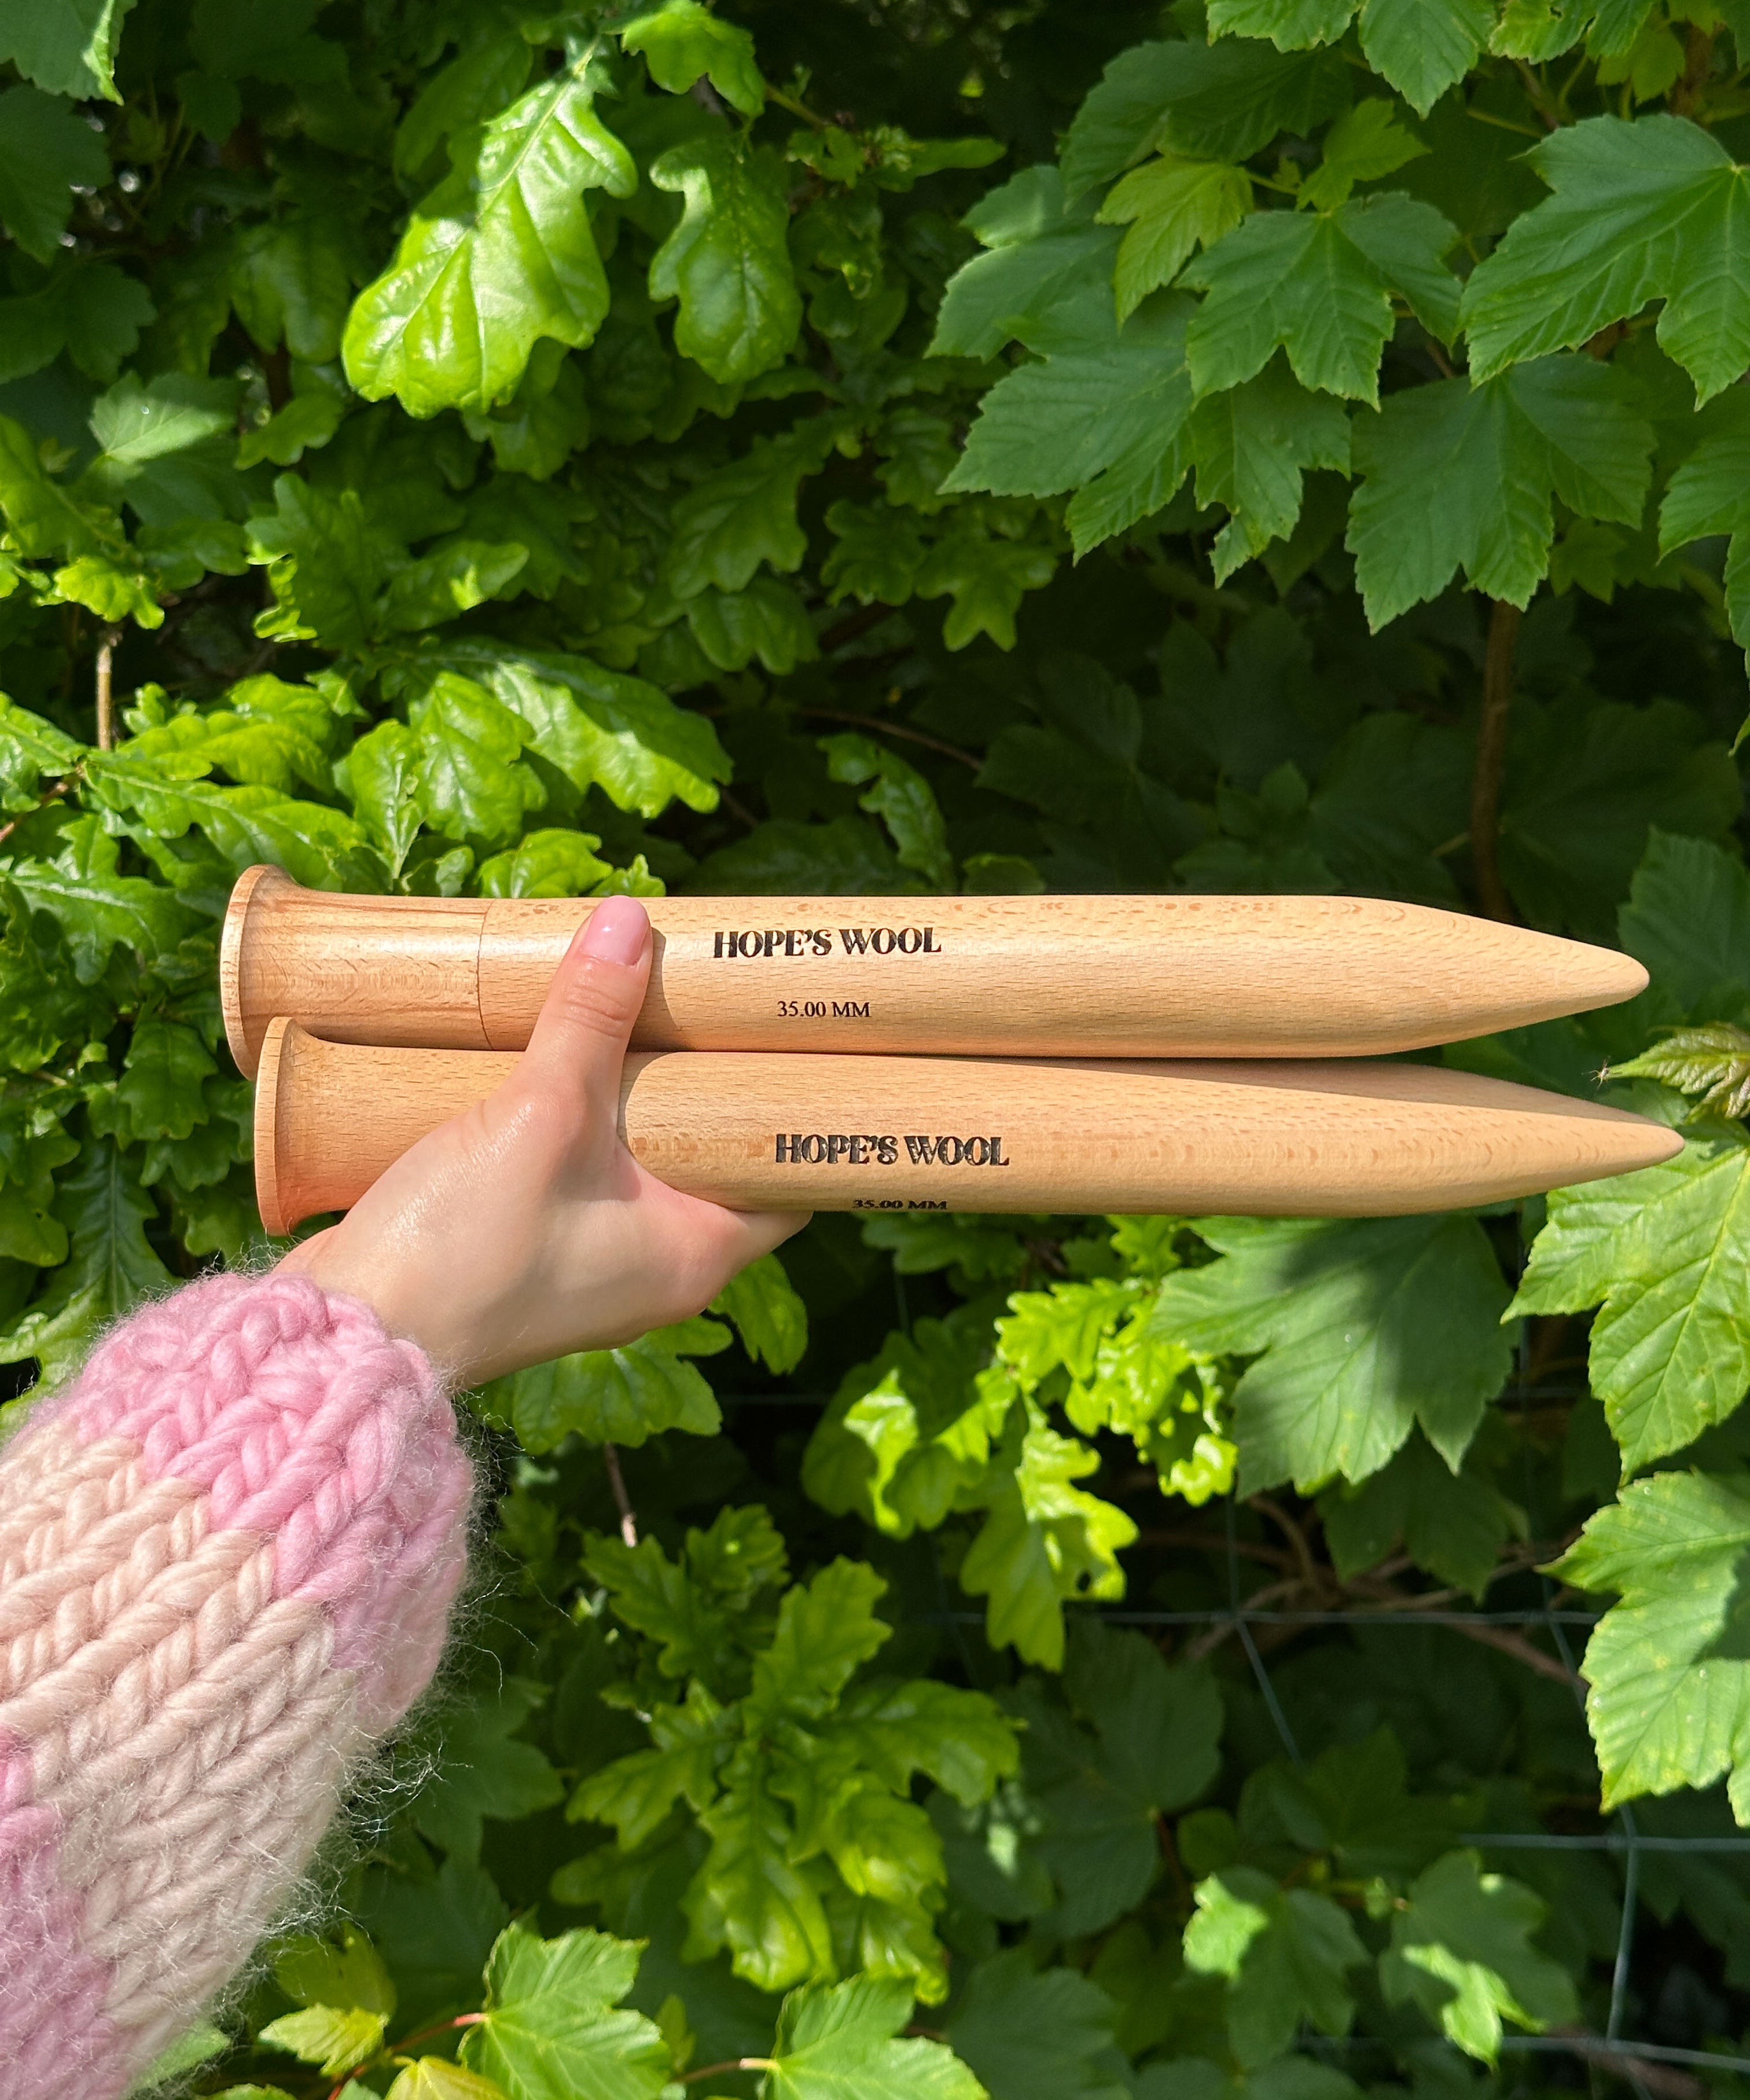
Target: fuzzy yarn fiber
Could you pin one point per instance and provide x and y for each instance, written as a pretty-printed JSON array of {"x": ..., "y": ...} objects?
[{"x": 228, "y": 1556}]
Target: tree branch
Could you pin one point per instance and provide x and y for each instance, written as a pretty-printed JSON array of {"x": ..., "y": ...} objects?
[
  {"x": 1521, "y": 1650},
  {"x": 1660, "y": 2078},
  {"x": 106, "y": 712},
  {"x": 895, "y": 729},
  {"x": 1538, "y": 96},
  {"x": 276, "y": 372},
  {"x": 629, "y": 1522},
  {"x": 1296, "y": 1537},
  {"x": 426, "y": 2033},
  {"x": 1492, "y": 759},
  {"x": 53, "y": 795},
  {"x": 863, "y": 621},
  {"x": 1212, "y": 1542},
  {"x": 1698, "y": 63}
]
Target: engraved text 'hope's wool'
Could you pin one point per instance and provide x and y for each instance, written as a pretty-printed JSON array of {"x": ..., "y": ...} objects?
[
  {"x": 866, "y": 1149},
  {"x": 817, "y": 940}
]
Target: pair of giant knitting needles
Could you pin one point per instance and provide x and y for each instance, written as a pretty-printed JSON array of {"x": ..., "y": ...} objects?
[{"x": 1183, "y": 1055}]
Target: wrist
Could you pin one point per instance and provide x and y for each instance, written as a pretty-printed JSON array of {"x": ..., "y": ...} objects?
[{"x": 332, "y": 1261}]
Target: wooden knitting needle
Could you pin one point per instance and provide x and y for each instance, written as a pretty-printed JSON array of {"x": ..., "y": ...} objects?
[
  {"x": 830, "y": 1133},
  {"x": 1109, "y": 976}
]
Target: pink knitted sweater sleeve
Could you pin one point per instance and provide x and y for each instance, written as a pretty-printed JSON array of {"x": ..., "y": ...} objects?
[{"x": 228, "y": 1556}]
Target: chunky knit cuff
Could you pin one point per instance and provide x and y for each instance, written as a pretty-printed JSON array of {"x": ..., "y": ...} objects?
[{"x": 227, "y": 1558}]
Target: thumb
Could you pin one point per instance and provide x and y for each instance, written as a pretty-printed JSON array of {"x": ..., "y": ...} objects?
[{"x": 578, "y": 1043}]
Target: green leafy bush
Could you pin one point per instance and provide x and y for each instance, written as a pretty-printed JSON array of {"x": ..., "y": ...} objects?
[{"x": 882, "y": 447}]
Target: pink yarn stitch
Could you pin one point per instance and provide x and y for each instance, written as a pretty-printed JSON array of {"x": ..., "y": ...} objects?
[{"x": 227, "y": 1560}]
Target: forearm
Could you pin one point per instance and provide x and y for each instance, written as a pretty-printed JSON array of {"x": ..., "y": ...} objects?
[{"x": 227, "y": 1559}]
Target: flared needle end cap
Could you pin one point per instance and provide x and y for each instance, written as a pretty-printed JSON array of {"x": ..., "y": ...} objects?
[{"x": 255, "y": 886}]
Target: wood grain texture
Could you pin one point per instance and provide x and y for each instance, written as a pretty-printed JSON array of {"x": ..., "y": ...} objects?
[
  {"x": 756, "y": 1132},
  {"x": 1107, "y": 976}
]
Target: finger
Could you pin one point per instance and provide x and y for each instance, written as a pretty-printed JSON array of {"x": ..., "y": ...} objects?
[
  {"x": 729, "y": 1240},
  {"x": 578, "y": 1043},
  {"x": 754, "y": 1232}
]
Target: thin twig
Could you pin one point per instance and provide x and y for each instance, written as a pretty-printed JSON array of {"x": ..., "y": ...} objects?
[
  {"x": 276, "y": 374},
  {"x": 1385, "y": 1596},
  {"x": 1600, "y": 345},
  {"x": 1659, "y": 2078},
  {"x": 629, "y": 1522},
  {"x": 1548, "y": 1336},
  {"x": 1521, "y": 1650},
  {"x": 896, "y": 729},
  {"x": 52, "y": 795},
  {"x": 1539, "y": 97},
  {"x": 1044, "y": 1253},
  {"x": 729, "y": 2063},
  {"x": 106, "y": 713},
  {"x": 1698, "y": 63},
  {"x": 1492, "y": 759},
  {"x": 1206, "y": 1644},
  {"x": 1372, "y": 1584},
  {"x": 436, "y": 2027},
  {"x": 1504, "y": 123},
  {"x": 863, "y": 621},
  {"x": 795, "y": 106},
  {"x": 406, "y": 2042},
  {"x": 1210, "y": 1541},
  {"x": 1297, "y": 1538}
]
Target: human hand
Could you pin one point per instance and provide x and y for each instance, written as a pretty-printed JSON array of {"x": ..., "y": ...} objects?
[{"x": 523, "y": 1228}]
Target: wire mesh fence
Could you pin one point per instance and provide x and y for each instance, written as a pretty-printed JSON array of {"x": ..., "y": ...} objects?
[
  {"x": 1627, "y": 1841},
  {"x": 1634, "y": 2059},
  {"x": 1631, "y": 2056}
]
